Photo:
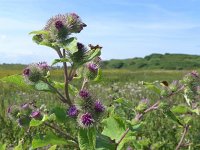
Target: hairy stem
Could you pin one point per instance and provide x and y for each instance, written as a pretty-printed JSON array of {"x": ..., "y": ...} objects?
[
  {"x": 155, "y": 106},
  {"x": 185, "y": 130},
  {"x": 61, "y": 97},
  {"x": 57, "y": 129},
  {"x": 66, "y": 80}
]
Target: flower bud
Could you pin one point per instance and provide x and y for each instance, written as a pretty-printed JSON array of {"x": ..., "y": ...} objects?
[
  {"x": 84, "y": 94},
  {"x": 98, "y": 106},
  {"x": 86, "y": 120},
  {"x": 73, "y": 111},
  {"x": 36, "y": 115}
]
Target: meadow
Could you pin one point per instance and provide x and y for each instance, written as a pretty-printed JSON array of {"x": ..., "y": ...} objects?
[{"x": 159, "y": 133}]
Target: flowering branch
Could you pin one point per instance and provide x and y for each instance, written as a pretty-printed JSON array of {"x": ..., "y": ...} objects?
[
  {"x": 186, "y": 128},
  {"x": 66, "y": 80}
]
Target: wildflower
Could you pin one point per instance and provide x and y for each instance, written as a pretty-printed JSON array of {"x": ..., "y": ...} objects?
[
  {"x": 59, "y": 24},
  {"x": 36, "y": 115},
  {"x": 92, "y": 67},
  {"x": 26, "y": 72},
  {"x": 25, "y": 106},
  {"x": 84, "y": 94},
  {"x": 43, "y": 65},
  {"x": 98, "y": 106},
  {"x": 86, "y": 120},
  {"x": 194, "y": 74},
  {"x": 73, "y": 111}
]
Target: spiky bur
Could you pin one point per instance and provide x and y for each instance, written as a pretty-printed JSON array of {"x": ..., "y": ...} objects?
[
  {"x": 34, "y": 72},
  {"x": 99, "y": 107},
  {"x": 62, "y": 25},
  {"x": 73, "y": 111},
  {"x": 92, "y": 71},
  {"x": 36, "y": 115},
  {"x": 143, "y": 104},
  {"x": 86, "y": 120},
  {"x": 23, "y": 121},
  {"x": 78, "y": 57}
]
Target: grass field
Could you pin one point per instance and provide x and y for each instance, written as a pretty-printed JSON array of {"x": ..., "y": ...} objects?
[{"x": 114, "y": 84}]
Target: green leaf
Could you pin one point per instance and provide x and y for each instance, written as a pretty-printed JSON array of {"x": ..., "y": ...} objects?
[
  {"x": 87, "y": 138},
  {"x": 70, "y": 45},
  {"x": 124, "y": 141},
  {"x": 92, "y": 54},
  {"x": 41, "y": 86},
  {"x": 104, "y": 143},
  {"x": 19, "y": 146},
  {"x": 180, "y": 109},
  {"x": 2, "y": 146},
  {"x": 72, "y": 89},
  {"x": 114, "y": 127},
  {"x": 17, "y": 80},
  {"x": 60, "y": 114},
  {"x": 35, "y": 123},
  {"x": 99, "y": 76},
  {"x": 40, "y": 32},
  {"x": 172, "y": 116},
  {"x": 53, "y": 147},
  {"x": 48, "y": 139},
  {"x": 152, "y": 87},
  {"x": 59, "y": 61}
]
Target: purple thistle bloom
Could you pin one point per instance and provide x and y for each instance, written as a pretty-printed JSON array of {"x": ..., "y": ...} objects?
[
  {"x": 9, "y": 109},
  {"x": 92, "y": 67},
  {"x": 59, "y": 24},
  {"x": 86, "y": 120},
  {"x": 26, "y": 72},
  {"x": 98, "y": 106},
  {"x": 25, "y": 106},
  {"x": 73, "y": 111},
  {"x": 80, "y": 46},
  {"x": 84, "y": 94},
  {"x": 36, "y": 115},
  {"x": 43, "y": 65},
  {"x": 194, "y": 74}
]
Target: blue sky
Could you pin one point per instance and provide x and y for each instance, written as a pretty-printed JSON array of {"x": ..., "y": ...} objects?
[{"x": 125, "y": 28}]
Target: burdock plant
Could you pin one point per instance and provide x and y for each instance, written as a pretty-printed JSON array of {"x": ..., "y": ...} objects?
[{"x": 82, "y": 121}]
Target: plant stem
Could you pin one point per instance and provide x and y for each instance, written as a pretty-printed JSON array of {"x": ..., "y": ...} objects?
[
  {"x": 155, "y": 106},
  {"x": 62, "y": 98},
  {"x": 84, "y": 83},
  {"x": 67, "y": 136},
  {"x": 186, "y": 128},
  {"x": 66, "y": 80}
]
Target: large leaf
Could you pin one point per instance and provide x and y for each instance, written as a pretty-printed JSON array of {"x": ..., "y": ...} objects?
[
  {"x": 152, "y": 87},
  {"x": 114, "y": 127},
  {"x": 42, "y": 86},
  {"x": 104, "y": 143},
  {"x": 180, "y": 109},
  {"x": 48, "y": 139},
  {"x": 16, "y": 79},
  {"x": 92, "y": 54},
  {"x": 35, "y": 123},
  {"x": 60, "y": 114},
  {"x": 2, "y": 146},
  {"x": 70, "y": 45},
  {"x": 59, "y": 61},
  {"x": 87, "y": 138},
  {"x": 172, "y": 116}
]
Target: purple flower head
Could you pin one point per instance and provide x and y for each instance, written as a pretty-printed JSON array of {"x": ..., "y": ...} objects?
[
  {"x": 80, "y": 46},
  {"x": 36, "y": 115},
  {"x": 74, "y": 15},
  {"x": 59, "y": 24},
  {"x": 98, "y": 106},
  {"x": 86, "y": 120},
  {"x": 73, "y": 111},
  {"x": 25, "y": 106},
  {"x": 26, "y": 72},
  {"x": 92, "y": 67},
  {"x": 194, "y": 74},
  {"x": 9, "y": 109},
  {"x": 84, "y": 94},
  {"x": 43, "y": 65}
]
